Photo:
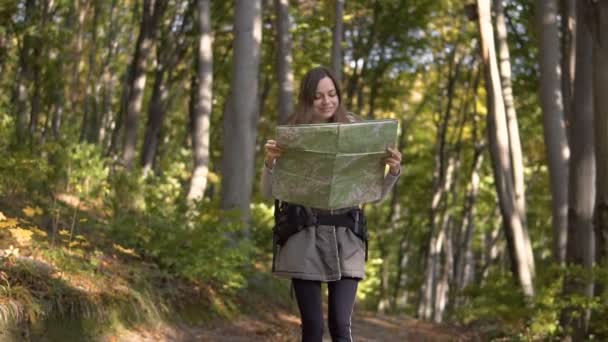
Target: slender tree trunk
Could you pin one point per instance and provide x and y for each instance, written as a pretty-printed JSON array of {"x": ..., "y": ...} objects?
[
  {"x": 580, "y": 247},
  {"x": 168, "y": 55},
  {"x": 568, "y": 48},
  {"x": 90, "y": 124},
  {"x": 284, "y": 60},
  {"x": 36, "y": 98},
  {"x": 440, "y": 187},
  {"x": 156, "y": 114},
  {"x": 4, "y": 44},
  {"x": 399, "y": 298},
  {"x": 79, "y": 15},
  {"x": 338, "y": 32},
  {"x": 383, "y": 249},
  {"x": 464, "y": 258},
  {"x": 445, "y": 278},
  {"x": 202, "y": 103},
  {"x": 553, "y": 123},
  {"x": 504, "y": 63},
  {"x": 108, "y": 80},
  {"x": 152, "y": 10},
  {"x": 492, "y": 247},
  {"x": 515, "y": 230},
  {"x": 241, "y": 115},
  {"x": 600, "y": 101},
  {"x": 24, "y": 76}
]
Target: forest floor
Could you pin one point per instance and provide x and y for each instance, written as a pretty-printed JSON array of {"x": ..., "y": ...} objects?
[{"x": 279, "y": 326}]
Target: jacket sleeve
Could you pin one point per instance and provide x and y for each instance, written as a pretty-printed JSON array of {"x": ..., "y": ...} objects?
[
  {"x": 389, "y": 182},
  {"x": 266, "y": 182}
]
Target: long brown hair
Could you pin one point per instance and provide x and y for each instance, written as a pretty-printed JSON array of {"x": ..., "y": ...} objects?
[{"x": 306, "y": 97}]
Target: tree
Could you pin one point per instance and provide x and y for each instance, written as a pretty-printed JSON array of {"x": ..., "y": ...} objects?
[
  {"x": 599, "y": 15},
  {"x": 336, "y": 47},
  {"x": 522, "y": 263},
  {"x": 580, "y": 246},
  {"x": 284, "y": 60},
  {"x": 25, "y": 76},
  {"x": 241, "y": 113},
  {"x": 554, "y": 123},
  {"x": 202, "y": 94},
  {"x": 151, "y": 11},
  {"x": 172, "y": 47},
  {"x": 504, "y": 63}
]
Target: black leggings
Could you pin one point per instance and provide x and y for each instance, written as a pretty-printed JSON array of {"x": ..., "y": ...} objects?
[{"x": 340, "y": 308}]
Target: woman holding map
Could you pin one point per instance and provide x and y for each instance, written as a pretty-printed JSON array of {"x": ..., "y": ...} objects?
[{"x": 314, "y": 245}]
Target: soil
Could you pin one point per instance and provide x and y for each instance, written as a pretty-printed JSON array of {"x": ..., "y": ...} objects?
[{"x": 281, "y": 325}]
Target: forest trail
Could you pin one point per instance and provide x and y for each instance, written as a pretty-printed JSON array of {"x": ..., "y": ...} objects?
[{"x": 283, "y": 326}]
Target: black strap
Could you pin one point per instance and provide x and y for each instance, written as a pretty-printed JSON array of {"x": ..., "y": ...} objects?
[{"x": 291, "y": 218}]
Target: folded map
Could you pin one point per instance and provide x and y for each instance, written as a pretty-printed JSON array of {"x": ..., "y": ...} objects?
[{"x": 331, "y": 166}]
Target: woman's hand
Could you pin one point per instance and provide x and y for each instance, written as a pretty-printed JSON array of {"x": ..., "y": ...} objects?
[
  {"x": 393, "y": 159},
  {"x": 272, "y": 153}
]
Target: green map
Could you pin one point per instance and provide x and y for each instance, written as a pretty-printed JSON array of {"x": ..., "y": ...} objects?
[{"x": 331, "y": 166}]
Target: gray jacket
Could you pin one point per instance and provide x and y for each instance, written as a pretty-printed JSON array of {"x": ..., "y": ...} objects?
[{"x": 323, "y": 253}]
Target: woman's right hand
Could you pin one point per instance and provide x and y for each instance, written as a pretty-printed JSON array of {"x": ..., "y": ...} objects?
[{"x": 273, "y": 151}]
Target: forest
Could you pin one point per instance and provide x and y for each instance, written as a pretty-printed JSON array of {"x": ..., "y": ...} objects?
[{"x": 132, "y": 143}]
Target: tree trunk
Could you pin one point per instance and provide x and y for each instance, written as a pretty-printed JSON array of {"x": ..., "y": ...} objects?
[
  {"x": 515, "y": 230},
  {"x": 581, "y": 192},
  {"x": 202, "y": 103},
  {"x": 108, "y": 80},
  {"x": 284, "y": 59},
  {"x": 445, "y": 275},
  {"x": 152, "y": 10},
  {"x": 36, "y": 97},
  {"x": 80, "y": 8},
  {"x": 568, "y": 48},
  {"x": 156, "y": 114},
  {"x": 440, "y": 187},
  {"x": 464, "y": 258},
  {"x": 24, "y": 76},
  {"x": 553, "y": 123},
  {"x": 336, "y": 48},
  {"x": 512, "y": 125},
  {"x": 241, "y": 115},
  {"x": 90, "y": 124},
  {"x": 600, "y": 101}
]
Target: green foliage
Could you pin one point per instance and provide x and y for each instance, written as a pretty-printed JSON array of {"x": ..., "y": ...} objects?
[
  {"x": 86, "y": 170},
  {"x": 23, "y": 172},
  {"x": 200, "y": 245},
  {"x": 495, "y": 303},
  {"x": 498, "y": 308}
]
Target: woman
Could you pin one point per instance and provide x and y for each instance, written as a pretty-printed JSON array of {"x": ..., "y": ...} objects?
[{"x": 323, "y": 253}]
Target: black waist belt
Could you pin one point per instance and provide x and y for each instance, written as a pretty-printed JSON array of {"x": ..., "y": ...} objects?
[{"x": 292, "y": 218}]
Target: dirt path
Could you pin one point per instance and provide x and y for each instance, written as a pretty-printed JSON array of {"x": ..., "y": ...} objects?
[{"x": 280, "y": 326}]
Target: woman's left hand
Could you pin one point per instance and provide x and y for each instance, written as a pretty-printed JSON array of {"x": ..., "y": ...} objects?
[{"x": 393, "y": 159}]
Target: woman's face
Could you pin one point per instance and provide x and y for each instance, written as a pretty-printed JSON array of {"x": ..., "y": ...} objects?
[{"x": 326, "y": 100}]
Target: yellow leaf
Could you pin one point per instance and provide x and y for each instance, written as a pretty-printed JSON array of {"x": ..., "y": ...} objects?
[
  {"x": 64, "y": 232},
  {"x": 23, "y": 236},
  {"x": 9, "y": 223},
  {"x": 128, "y": 251},
  {"x": 29, "y": 211},
  {"x": 2, "y": 217},
  {"x": 213, "y": 177},
  {"x": 39, "y": 232}
]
